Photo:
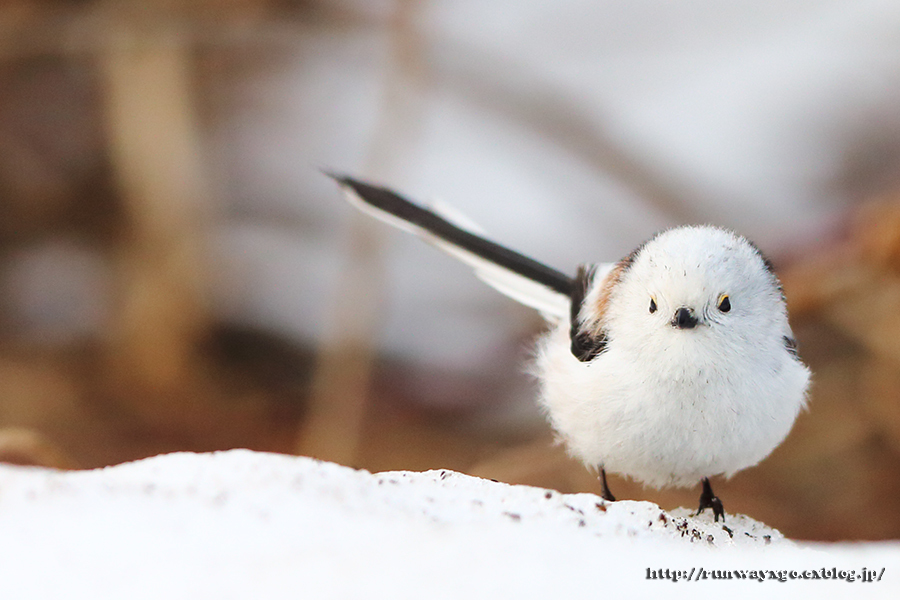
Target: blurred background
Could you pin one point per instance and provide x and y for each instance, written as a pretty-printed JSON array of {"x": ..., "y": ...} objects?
[{"x": 176, "y": 273}]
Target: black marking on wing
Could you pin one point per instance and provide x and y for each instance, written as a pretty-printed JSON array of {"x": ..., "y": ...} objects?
[
  {"x": 770, "y": 268},
  {"x": 765, "y": 259},
  {"x": 791, "y": 345},
  {"x": 584, "y": 346},
  {"x": 390, "y": 202},
  {"x": 626, "y": 262}
]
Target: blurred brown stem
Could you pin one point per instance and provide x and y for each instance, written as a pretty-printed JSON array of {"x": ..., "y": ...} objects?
[
  {"x": 334, "y": 428},
  {"x": 155, "y": 152}
]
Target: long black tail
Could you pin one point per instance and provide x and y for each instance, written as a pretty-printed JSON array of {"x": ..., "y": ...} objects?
[{"x": 522, "y": 278}]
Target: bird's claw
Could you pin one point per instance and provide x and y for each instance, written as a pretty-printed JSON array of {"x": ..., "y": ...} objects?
[{"x": 709, "y": 500}]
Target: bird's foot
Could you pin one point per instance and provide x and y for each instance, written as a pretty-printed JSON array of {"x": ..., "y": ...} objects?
[
  {"x": 604, "y": 488},
  {"x": 709, "y": 500}
]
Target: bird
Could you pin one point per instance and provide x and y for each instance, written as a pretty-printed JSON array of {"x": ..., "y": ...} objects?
[{"x": 673, "y": 365}]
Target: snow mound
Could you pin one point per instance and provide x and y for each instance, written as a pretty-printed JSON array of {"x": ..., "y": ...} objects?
[{"x": 247, "y": 524}]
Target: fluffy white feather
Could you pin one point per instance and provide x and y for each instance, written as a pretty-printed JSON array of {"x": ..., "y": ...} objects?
[{"x": 669, "y": 406}]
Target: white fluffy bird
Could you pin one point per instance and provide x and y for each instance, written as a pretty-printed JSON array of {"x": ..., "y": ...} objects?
[{"x": 671, "y": 366}]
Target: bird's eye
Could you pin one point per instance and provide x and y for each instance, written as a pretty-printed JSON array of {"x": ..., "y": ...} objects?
[
  {"x": 652, "y": 306},
  {"x": 724, "y": 303}
]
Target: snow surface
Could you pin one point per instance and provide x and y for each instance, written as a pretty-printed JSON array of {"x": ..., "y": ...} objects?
[{"x": 242, "y": 524}]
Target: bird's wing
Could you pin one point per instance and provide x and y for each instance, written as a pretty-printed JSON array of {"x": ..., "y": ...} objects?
[{"x": 512, "y": 274}]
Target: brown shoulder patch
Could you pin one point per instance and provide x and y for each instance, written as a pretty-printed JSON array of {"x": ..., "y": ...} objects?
[
  {"x": 609, "y": 283},
  {"x": 589, "y": 338}
]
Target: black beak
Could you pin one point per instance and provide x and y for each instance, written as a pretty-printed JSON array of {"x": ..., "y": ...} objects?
[{"x": 684, "y": 319}]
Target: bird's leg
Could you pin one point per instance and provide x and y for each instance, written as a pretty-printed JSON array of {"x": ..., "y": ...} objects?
[
  {"x": 709, "y": 500},
  {"x": 604, "y": 487}
]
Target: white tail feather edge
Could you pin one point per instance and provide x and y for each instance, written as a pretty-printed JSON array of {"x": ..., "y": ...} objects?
[{"x": 550, "y": 303}]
